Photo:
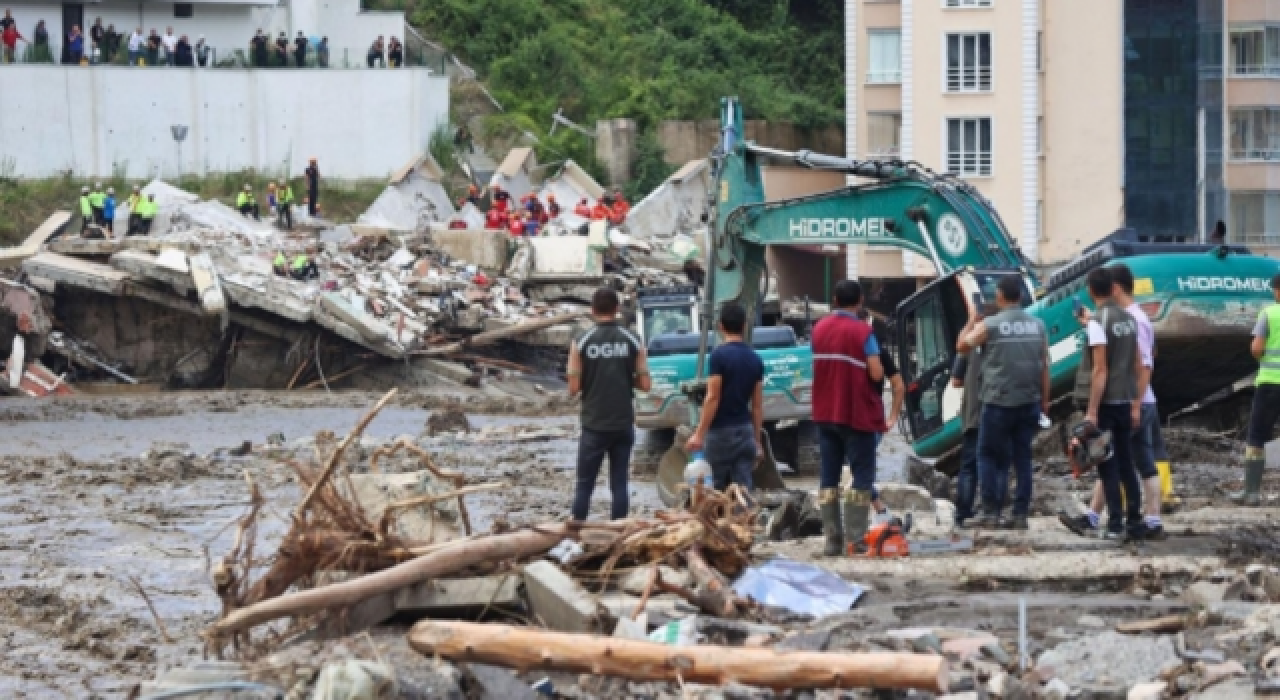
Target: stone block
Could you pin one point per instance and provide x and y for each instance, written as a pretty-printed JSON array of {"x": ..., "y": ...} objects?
[{"x": 560, "y": 603}]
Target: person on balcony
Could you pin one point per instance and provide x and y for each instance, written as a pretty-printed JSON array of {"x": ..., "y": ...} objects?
[
  {"x": 136, "y": 44},
  {"x": 170, "y": 46},
  {"x": 75, "y": 45},
  {"x": 376, "y": 53},
  {"x": 322, "y": 52},
  {"x": 395, "y": 53},
  {"x": 202, "y": 52},
  {"x": 111, "y": 44},
  {"x": 154, "y": 42},
  {"x": 300, "y": 50},
  {"x": 10, "y": 37},
  {"x": 183, "y": 55},
  {"x": 281, "y": 57},
  {"x": 258, "y": 47}
]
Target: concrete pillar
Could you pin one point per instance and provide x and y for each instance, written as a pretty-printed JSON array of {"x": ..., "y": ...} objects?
[{"x": 616, "y": 148}]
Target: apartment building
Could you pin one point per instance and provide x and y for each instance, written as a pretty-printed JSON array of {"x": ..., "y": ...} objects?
[{"x": 1075, "y": 117}]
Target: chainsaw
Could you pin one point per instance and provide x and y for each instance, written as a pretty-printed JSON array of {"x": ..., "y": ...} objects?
[{"x": 889, "y": 539}]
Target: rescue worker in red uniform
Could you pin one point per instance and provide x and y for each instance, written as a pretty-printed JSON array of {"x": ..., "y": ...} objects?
[
  {"x": 849, "y": 414},
  {"x": 493, "y": 220},
  {"x": 583, "y": 209}
]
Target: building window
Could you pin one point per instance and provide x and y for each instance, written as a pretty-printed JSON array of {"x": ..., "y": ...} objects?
[
  {"x": 886, "y": 56},
  {"x": 1255, "y": 133},
  {"x": 183, "y": 10},
  {"x": 969, "y": 62},
  {"x": 1255, "y": 51},
  {"x": 967, "y": 3},
  {"x": 884, "y": 134},
  {"x": 1255, "y": 217},
  {"x": 969, "y": 146}
]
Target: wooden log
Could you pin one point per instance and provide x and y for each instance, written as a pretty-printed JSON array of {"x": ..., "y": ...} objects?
[
  {"x": 526, "y": 648},
  {"x": 715, "y": 595},
  {"x": 1167, "y": 624},
  {"x": 438, "y": 564}
]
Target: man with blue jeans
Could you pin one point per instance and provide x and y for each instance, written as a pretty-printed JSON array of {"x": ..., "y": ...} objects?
[
  {"x": 849, "y": 413},
  {"x": 605, "y": 364},
  {"x": 733, "y": 410},
  {"x": 1015, "y": 391},
  {"x": 967, "y": 375}
]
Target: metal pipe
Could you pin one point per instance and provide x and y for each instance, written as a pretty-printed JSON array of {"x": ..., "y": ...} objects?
[
  {"x": 819, "y": 161},
  {"x": 933, "y": 252}
]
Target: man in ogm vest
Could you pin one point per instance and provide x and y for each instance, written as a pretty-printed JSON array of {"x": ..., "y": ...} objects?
[{"x": 1266, "y": 399}]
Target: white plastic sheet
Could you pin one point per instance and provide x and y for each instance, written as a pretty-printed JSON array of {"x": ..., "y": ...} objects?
[{"x": 802, "y": 588}]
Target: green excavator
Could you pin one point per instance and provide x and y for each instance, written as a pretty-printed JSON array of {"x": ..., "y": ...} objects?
[{"x": 1202, "y": 299}]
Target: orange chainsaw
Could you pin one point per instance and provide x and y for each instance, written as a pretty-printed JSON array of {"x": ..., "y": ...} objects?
[{"x": 888, "y": 540}]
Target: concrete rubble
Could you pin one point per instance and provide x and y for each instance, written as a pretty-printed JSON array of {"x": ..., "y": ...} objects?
[{"x": 403, "y": 281}]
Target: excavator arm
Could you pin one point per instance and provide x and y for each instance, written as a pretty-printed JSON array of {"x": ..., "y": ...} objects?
[{"x": 901, "y": 205}]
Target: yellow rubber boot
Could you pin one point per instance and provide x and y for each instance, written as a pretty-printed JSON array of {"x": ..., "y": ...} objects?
[{"x": 1168, "y": 499}]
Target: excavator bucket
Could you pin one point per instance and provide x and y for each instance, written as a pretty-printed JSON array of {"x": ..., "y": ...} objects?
[{"x": 671, "y": 489}]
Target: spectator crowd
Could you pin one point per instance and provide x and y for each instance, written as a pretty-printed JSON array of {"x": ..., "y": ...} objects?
[{"x": 105, "y": 44}]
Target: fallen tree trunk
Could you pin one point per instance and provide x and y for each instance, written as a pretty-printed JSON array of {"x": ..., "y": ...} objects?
[
  {"x": 525, "y": 648},
  {"x": 442, "y": 562},
  {"x": 715, "y": 595}
]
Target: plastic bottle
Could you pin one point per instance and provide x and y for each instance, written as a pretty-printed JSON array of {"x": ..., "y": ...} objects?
[{"x": 698, "y": 473}]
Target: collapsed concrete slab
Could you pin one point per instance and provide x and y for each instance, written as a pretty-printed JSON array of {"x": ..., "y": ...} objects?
[
  {"x": 54, "y": 225},
  {"x": 677, "y": 206},
  {"x": 62, "y": 269},
  {"x": 413, "y": 200},
  {"x": 488, "y": 250},
  {"x": 514, "y": 175}
]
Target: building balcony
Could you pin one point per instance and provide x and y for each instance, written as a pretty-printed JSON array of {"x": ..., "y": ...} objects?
[{"x": 884, "y": 78}]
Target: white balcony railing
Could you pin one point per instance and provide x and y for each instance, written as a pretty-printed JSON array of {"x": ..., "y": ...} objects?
[
  {"x": 969, "y": 79},
  {"x": 1255, "y": 70},
  {"x": 885, "y": 77},
  {"x": 1255, "y": 154}
]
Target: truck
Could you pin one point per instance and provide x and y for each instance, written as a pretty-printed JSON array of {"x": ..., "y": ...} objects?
[
  {"x": 1202, "y": 298},
  {"x": 669, "y": 323}
]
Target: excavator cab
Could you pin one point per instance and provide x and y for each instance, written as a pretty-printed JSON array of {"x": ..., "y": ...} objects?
[{"x": 927, "y": 326}]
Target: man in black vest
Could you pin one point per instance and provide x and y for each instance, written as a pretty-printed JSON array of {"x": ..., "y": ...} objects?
[
  {"x": 605, "y": 364},
  {"x": 1107, "y": 390}
]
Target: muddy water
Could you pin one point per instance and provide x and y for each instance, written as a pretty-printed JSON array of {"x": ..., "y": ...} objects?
[{"x": 81, "y": 512}]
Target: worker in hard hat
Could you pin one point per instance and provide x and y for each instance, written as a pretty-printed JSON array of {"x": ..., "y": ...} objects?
[
  {"x": 132, "y": 201},
  {"x": 146, "y": 214},
  {"x": 109, "y": 212},
  {"x": 619, "y": 209},
  {"x": 284, "y": 200},
  {"x": 303, "y": 268},
  {"x": 86, "y": 210},
  {"x": 247, "y": 204},
  {"x": 583, "y": 209},
  {"x": 280, "y": 265},
  {"x": 96, "y": 200},
  {"x": 600, "y": 212},
  {"x": 553, "y": 207},
  {"x": 501, "y": 199}
]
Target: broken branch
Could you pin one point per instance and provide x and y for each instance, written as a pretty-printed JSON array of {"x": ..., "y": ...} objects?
[
  {"x": 440, "y": 563},
  {"x": 525, "y": 648},
  {"x": 337, "y": 454}
]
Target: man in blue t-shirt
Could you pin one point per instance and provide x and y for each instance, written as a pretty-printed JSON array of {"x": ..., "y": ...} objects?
[{"x": 733, "y": 412}]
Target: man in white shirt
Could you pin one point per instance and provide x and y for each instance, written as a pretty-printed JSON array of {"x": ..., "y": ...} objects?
[
  {"x": 136, "y": 40},
  {"x": 170, "y": 43}
]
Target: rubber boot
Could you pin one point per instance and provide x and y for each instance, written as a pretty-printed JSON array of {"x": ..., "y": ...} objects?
[
  {"x": 857, "y": 513},
  {"x": 1168, "y": 499},
  {"x": 832, "y": 530},
  {"x": 1250, "y": 496}
]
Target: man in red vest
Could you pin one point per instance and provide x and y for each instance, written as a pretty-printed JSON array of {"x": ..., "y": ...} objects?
[{"x": 849, "y": 413}]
